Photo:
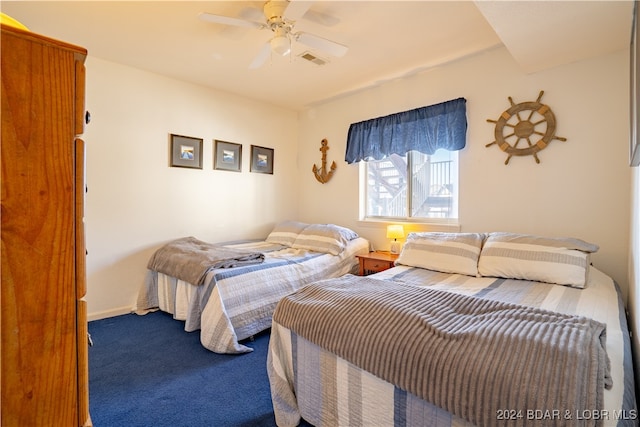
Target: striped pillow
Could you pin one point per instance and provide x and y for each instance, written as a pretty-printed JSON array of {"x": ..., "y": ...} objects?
[
  {"x": 285, "y": 233},
  {"x": 446, "y": 252},
  {"x": 562, "y": 261},
  {"x": 326, "y": 238}
]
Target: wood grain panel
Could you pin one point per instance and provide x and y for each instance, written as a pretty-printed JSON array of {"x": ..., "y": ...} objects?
[{"x": 39, "y": 296}]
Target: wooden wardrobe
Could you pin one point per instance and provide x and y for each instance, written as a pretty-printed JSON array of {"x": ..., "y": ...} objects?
[{"x": 44, "y": 366}]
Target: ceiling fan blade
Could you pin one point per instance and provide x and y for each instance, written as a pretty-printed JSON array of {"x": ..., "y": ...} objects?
[
  {"x": 295, "y": 9},
  {"x": 227, "y": 20},
  {"x": 331, "y": 47},
  {"x": 261, "y": 57}
]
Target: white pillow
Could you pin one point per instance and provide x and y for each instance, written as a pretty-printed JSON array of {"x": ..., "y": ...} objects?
[
  {"x": 326, "y": 238},
  {"x": 285, "y": 233},
  {"x": 446, "y": 252},
  {"x": 563, "y": 261}
]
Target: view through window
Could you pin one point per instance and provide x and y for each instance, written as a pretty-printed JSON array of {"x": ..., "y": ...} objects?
[{"x": 415, "y": 186}]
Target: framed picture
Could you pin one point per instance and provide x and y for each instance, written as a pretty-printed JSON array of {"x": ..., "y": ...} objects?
[
  {"x": 227, "y": 156},
  {"x": 634, "y": 85},
  {"x": 186, "y": 152},
  {"x": 261, "y": 159}
]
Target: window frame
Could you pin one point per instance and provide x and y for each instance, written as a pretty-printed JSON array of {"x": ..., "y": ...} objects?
[{"x": 451, "y": 223}]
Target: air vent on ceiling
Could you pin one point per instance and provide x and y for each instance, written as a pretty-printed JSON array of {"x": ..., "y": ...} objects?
[{"x": 312, "y": 58}]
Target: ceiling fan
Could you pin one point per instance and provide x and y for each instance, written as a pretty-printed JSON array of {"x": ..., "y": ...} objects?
[{"x": 280, "y": 18}]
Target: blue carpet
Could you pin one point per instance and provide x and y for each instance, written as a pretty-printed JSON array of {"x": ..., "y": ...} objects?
[{"x": 146, "y": 371}]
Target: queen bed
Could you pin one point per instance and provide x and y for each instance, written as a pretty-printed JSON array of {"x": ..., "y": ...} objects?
[
  {"x": 229, "y": 291},
  {"x": 467, "y": 329}
]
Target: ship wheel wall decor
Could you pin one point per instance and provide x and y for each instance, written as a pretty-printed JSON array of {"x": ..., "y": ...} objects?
[
  {"x": 525, "y": 129},
  {"x": 322, "y": 175}
]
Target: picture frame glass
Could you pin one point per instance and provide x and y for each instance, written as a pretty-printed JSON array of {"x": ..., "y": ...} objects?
[
  {"x": 227, "y": 156},
  {"x": 261, "y": 159},
  {"x": 186, "y": 152}
]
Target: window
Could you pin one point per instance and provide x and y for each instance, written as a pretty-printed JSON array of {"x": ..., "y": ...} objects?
[
  {"x": 410, "y": 161},
  {"x": 414, "y": 186}
]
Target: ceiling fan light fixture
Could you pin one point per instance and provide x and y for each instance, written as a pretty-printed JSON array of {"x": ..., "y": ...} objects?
[
  {"x": 280, "y": 16},
  {"x": 281, "y": 45}
]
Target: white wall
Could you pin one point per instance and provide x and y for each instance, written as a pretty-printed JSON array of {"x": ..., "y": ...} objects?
[
  {"x": 634, "y": 274},
  {"x": 136, "y": 202},
  {"x": 580, "y": 188}
]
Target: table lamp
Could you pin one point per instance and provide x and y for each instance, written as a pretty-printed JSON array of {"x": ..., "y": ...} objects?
[{"x": 395, "y": 232}]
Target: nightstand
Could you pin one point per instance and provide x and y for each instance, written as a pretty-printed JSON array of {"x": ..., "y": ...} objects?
[{"x": 374, "y": 262}]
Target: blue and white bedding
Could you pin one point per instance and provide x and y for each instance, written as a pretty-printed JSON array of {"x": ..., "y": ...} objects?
[
  {"x": 235, "y": 303},
  {"x": 310, "y": 382}
]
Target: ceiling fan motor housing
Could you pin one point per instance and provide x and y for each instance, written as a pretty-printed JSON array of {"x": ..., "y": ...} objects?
[
  {"x": 274, "y": 12},
  {"x": 281, "y": 16}
]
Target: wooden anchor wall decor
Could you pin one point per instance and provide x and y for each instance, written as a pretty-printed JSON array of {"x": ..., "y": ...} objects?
[
  {"x": 321, "y": 173},
  {"x": 539, "y": 121}
]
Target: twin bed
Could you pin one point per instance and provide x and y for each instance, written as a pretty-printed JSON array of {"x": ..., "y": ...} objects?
[
  {"x": 232, "y": 297},
  {"x": 468, "y": 329}
]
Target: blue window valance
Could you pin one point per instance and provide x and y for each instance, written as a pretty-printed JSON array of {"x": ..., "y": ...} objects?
[{"x": 424, "y": 129}]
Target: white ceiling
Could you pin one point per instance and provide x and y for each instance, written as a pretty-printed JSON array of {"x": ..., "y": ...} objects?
[{"x": 386, "y": 39}]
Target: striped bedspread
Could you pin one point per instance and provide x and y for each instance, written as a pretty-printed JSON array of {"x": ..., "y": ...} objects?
[
  {"x": 310, "y": 381},
  {"x": 410, "y": 336},
  {"x": 235, "y": 303}
]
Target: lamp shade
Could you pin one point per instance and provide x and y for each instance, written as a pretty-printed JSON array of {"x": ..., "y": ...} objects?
[
  {"x": 7, "y": 20},
  {"x": 395, "y": 232}
]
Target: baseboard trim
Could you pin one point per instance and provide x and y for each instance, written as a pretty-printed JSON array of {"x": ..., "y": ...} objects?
[{"x": 109, "y": 313}]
